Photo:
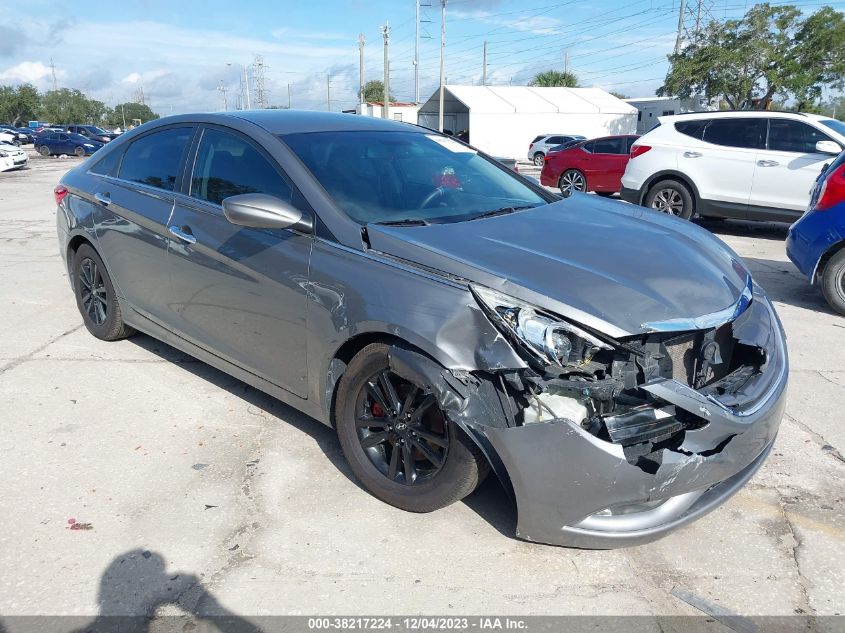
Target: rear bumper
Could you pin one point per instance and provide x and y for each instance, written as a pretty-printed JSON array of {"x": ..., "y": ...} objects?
[
  {"x": 630, "y": 195},
  {"x": 574, "y": 489},
  {"x": 812, "y": 236}
]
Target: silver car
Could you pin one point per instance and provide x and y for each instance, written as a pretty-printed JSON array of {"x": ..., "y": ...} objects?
[
  {"x": 617, "y": 369},
  {"x": 542, "y": 144}
]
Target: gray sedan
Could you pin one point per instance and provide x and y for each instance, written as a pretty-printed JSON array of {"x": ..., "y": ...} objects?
[{"x": 617, "y": 369}]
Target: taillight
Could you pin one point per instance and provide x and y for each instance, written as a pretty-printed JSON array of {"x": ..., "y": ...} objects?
[
  {"x": 530, "y": 145},
  {"x": 832, "y": 191},
  {"x": 639, "y": 150},
  {"x": 59, "y": 191}
]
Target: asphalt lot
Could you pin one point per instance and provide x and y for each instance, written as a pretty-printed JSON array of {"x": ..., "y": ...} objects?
[{"x": 202, "y": 494}]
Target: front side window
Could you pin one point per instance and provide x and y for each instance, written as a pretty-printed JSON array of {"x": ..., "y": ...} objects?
[
  {"x": 386, "y": 176},
  {"x": 786, "y": 135},
  {"x": 155, "y": 159},
  {"x": 746, "y": 133},
  {"x": 228, "y": 165}
]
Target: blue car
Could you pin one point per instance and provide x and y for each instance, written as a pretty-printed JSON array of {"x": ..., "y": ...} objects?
[
  {"x": 816, "y": 242},
  {"x": 55, "y": 143}
]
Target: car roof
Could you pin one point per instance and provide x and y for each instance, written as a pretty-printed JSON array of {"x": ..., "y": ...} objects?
[
  {"x": 741, "y": 114},
  {"x": 282, "y": 122}
]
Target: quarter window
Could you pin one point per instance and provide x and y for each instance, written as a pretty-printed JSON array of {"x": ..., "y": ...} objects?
[
  {"x": 786, "y": 135},
  {"x": 747, "y": 133},
  {"x": 227, "y": 165},
  {"x": 694, "y": 129},
  {"x": 154, "y": 159},
  {"x": 107, "y": 164}
]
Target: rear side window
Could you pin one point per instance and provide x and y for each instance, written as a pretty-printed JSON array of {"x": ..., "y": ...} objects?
[
  {"x": 155, "y": 159},
  {"x": 694, "y": 129},
  {"x": 746, "y": 133},
  {"x": 786, "y": 135},
  {"x": 555, "y": 140},
  {"x": 228, "y": 165},
  {"x": 107, "y": 164},
  {"x": 609, "y": 146},
  {"x": 536, "y": 138}
]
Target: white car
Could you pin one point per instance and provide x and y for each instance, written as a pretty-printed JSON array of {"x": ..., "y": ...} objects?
[
  {"x": 753, "y": 165},
  {"x": 12, "y": 157},
  {"x": 7, "y": 138}
]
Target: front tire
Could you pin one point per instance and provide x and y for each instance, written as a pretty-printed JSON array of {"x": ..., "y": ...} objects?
[
  {"x": 671, "y": 197},
  {"x": 398, "y": 442},
  {"x": 95, "y": 297},
  {"x": 833, "y": 282}
]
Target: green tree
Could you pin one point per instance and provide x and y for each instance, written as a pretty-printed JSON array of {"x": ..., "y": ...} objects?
[
  {"x": 374, "y": 91},
  {"x": 19, "y": 104},
  {"x": 124, "y": 113},
  {"x": 68, "y": 105},
  {"x": 554, "y": 78},
  {"x": 771, "y": 51}
]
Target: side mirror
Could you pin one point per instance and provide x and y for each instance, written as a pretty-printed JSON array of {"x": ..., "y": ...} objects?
[
  {"x": 260, "y": 211},
  {"x": 828, "y": 147}
]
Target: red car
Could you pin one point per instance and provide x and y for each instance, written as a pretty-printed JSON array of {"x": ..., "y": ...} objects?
[{"x": 594, "y": 165}]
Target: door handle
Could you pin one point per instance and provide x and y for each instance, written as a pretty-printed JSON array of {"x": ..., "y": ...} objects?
[
  {"x": 767, "y": 163},
  {"x": 103, "y": 199},
  {"x": 692, "y": 154},
  {"x": 185, "y": 236}
]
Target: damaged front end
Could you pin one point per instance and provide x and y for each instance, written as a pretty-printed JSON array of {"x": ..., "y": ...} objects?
[{"x": 608, "y": 443}]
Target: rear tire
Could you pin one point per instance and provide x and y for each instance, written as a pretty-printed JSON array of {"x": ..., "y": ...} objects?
[
  {"x": 833, "y": 282},
  {"x": 369, "y": 435},
  {"x": 539, "y": 159},
  {"x": 79, "y": 151},
  {"x": 95, "y": 297},
  {"x": 670, "y": 197},
  {"x": 571, "y": 180},
  {"x": 44, "y": 150}
]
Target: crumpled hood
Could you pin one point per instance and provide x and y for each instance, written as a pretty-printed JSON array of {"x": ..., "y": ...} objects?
[{"x": 605, "y": 264}]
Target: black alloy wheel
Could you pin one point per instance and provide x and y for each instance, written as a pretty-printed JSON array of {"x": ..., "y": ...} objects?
[
  {"x": 401, "y": 429},
  {"x": 95, "y": 296},
  {"x": 397, "y": 440},
  {"x": 92, "y": 291}
]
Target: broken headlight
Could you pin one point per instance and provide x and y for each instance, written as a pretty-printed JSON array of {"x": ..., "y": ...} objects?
[{"x": 548, "y": 338}]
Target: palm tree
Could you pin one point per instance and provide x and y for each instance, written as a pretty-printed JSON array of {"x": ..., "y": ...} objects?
[{"x": 555, "y": 78}]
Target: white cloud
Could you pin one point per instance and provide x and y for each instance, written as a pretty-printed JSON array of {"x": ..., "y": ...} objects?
[{"x": 36, "y": 73}]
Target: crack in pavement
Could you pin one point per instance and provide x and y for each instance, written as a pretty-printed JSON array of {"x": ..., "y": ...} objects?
[
  {"x": 818, "y": 438},
  {"x": 22, "y": 359},
  {"x": 805, "y": 607}
]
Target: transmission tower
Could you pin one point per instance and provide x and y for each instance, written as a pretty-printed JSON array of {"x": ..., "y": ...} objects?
[
  {"x": 693, "y": 18},
  {"x": 258, "y": 79}
]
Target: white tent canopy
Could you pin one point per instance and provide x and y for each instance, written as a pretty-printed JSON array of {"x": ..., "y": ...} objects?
[{"x": 503, "y": 120}]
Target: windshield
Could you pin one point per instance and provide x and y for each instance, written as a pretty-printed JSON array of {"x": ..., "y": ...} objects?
[
  {"x": 833, "y": 124},
  {"x": 95, "y": 130},
  {"x": 409, "y": 176}
]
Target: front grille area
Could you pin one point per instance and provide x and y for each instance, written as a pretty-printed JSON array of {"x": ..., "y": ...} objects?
[{"x": 683, "y": 352}]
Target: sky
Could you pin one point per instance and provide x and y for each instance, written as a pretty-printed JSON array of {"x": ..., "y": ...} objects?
[{"x": 179, "y": 52}]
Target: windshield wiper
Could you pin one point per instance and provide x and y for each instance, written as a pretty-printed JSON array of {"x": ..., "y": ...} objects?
[
  {"x": 404, "y": 222},
  {"x": 502, "y": 211}
]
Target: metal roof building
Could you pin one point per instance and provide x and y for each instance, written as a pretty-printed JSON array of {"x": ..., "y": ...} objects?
[{"x": 503, "y": 120}]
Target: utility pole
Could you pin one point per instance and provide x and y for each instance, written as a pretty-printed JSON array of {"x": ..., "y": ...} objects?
[
  {"x": 361, "y": 70},
  {"x": 679, "y": 38},
  {"x": 417, "y": 54},
  {"x": 385, "y": 31},
  {"x": 288, "y": 96},
  {"x": 53, "y": 71},
  {"x": 484, "y": 66},
  {"x": 258, "y": 75},
  {"x": 328, "y": 92},
  {"x": 246, "y": 87},
  {"x": 566, "y": 61},
  {"x": 223, "y": 88},
  {"x": 442, "y": 67}
]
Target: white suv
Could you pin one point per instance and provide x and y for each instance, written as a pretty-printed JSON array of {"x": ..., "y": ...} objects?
[{"x": 753, "y": 165}]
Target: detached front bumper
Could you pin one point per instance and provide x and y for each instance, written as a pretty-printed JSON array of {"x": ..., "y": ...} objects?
[{"x": 574, "y": 489}]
